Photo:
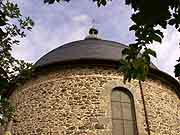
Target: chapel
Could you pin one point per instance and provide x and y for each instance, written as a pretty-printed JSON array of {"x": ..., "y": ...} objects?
[{"x": 77, "y": 89}]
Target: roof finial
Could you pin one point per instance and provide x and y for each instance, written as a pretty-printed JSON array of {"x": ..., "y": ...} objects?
[{"x": 93, "y": 32}]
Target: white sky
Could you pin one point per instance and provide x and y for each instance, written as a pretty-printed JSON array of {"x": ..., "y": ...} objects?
[{"x": 58, "y": 24}]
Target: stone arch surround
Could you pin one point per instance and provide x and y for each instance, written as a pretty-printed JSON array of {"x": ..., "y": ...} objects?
[
  {"x": 76, "y": 101},
  {"x": 136, "y": 98}
]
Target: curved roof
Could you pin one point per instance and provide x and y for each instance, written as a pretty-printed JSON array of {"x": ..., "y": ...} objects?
[
  {"x": 96, "y": 51},
  {"x": 89, "y": 49},
  {"x": 93, "y": 50}
]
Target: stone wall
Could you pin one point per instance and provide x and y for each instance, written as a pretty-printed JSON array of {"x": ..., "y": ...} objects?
[{"x": 77, "y": 101}]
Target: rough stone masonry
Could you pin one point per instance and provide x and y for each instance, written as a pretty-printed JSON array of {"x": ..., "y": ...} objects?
[{"x": 76, "y": 100}]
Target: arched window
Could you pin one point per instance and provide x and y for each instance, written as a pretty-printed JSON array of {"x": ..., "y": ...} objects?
[{"x": 123, "y": 112}]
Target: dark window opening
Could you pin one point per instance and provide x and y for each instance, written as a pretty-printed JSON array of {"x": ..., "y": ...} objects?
[{"x": 123, "y": 112}]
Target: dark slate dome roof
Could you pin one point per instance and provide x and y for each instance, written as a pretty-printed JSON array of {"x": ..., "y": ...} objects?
[
  {"x": 88, "y": 49},
  {"x": 94, "y": 51}
]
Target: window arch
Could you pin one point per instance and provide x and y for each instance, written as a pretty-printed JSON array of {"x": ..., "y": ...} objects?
[{"x": 123, "y": 112}]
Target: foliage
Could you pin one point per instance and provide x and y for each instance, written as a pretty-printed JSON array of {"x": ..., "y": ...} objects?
[
  {"x": 6, "y": 110},
  {"x": 146, "y": 17},
  {"x": 177, "y": 69},
  {"x": 12, "y": 72},
  {"x": 99, "y": 2}
]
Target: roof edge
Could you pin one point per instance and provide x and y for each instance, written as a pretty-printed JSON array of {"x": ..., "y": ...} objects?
[
  {"x": 153, "y": 72},
  {"x": 70, "y": 44}
]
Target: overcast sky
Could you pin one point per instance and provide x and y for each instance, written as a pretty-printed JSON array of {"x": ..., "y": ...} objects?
[{"x": 58, "y": 24}]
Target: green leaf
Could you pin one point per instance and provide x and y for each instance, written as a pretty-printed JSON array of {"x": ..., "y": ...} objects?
[
  {"x": 151, "y": 52},
  {"x": 176, "y": 26},
  {"x": 103, "y": 2},
  {"x": 133, "y": 27},
  {"x": 163, "y": 24},
  {"x": 3, "y": 83},
  {"x": 172, "y": 21},
  {"x": 125, "y": 51},
  {"x": 177, "y": 70},
  {"x": 155, "y": 37},
  {"x": 159, "y": 33}
]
